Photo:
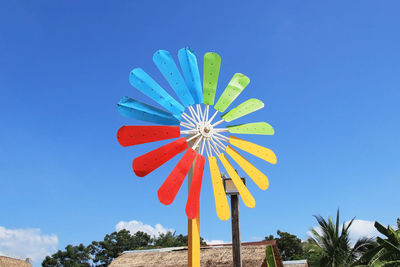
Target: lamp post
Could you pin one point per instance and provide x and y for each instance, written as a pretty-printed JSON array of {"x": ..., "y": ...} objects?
[{"x": 230, "y": 189}]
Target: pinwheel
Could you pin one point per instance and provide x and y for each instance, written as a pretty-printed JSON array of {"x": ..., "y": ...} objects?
[{"x": 196, "y": 132}]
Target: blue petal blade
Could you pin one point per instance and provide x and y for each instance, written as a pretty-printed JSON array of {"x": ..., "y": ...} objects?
[
  {"x": 190, "y": 69},
  {"x": 131, "y": 108},
  {"x": 166, "y": 64},
  {"x": 144, "y": 83}
]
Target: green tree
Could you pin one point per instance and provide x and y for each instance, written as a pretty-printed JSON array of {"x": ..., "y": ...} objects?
[
  {"x": 73, "y": 256},
  {"x": 312, "y": 252},
  {"x": 335, "y": 243},
  {"x": 116, "y": 243},
  {"x": 168, "y": 240},
  {"x": 171, "y": 240},
  {"x": 290, "y": 246},
  {"x": 385, "y": 252}
]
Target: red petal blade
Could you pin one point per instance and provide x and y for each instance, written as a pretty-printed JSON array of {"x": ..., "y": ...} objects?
[
  {"x": 169, "y": 189},
  {"x": 135, "y": 135},
  {"x": 150, "y": 161},
  {"x": 193, "y": 202}
]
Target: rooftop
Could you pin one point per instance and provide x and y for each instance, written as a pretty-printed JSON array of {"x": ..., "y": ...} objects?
[
  {"x": 11, "y": 262},
  {"x": 253, "y": 254}
]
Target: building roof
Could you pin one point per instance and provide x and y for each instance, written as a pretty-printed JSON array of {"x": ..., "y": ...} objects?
[
  {"x": 253, "y": 254},
  {"x": 11, "y": 262}
]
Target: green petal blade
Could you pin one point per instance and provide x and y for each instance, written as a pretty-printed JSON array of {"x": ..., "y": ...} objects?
[
  {"x": 245, "y": 108},
  {"x": 262, "y": 128},
  {"x": 212, "y": 63},
  {"x": 235, "y": 87}
]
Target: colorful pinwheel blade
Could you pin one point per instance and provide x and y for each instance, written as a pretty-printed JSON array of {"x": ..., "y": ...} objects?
[
  {"x": 169, "y": 189},
  {"x": 131, "y": 108},
  {"x": 193, "y": 202},
  {"x": 150, "y": 161},
  {"x": 135, "y": 135},
  {"x": 235, "y": 87},
  {"x": 212, "y": 64},
  {"x": 255, "y": 174},
  {"x": 221, "y": 202},
  {"x": 144, "y": 83},
  {"x": 257, "y": 150},
  {"x": 245, "y": 108},
  {"x": 252, "y": 128},
  {"x": 190, "y": 69},
  {"x": 247, "y": 198},
  {"x": 166, "y": 64}
]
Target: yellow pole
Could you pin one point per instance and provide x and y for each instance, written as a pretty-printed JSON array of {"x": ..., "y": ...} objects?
[
  {"x": 194, "y": 242},
  {"x": 193, "y": 233}
]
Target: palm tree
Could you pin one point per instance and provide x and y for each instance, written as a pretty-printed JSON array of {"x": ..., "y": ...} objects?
[
  {"x": 335, "y": 243},
  {"x": 385, "y": 252}
]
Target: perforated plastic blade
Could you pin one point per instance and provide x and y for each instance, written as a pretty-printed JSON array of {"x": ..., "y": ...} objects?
[
  {"x": 193, "y": 202},
  {"x": 235, "y": 87},
  {"x": 252, "y": 128},
  {"x": 257, "y": 150},
  {"x": 169, "y": 70},
  {"x": 245, "y": 108},
  {"x": 221, "y": 202},
  {"x": 255, "y": 174},
  {"x": 190, "y": 69},
  {"x": 169, "y": 189},
  {"x": 212, "y": 64},
  {"x": 131, "y": 108},
  {"x": 135, "y": 135},
  {"x": 150, "y": 161},
  {"x": 144, "y": 83},
  {"x": 247, "y": 198}
]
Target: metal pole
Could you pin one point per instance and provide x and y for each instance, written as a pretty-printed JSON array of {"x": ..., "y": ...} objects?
[{"x": 236, "y": 242}]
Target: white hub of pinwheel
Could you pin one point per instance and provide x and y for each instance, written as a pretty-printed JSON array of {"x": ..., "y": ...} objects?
[
  {"x": 206, "y": 130},
  {"x": 201, "y": 127}
]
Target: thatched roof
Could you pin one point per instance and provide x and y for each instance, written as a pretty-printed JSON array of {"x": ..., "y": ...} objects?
[
  {"x": 11, "y": 262},
  {"x": 253, "y": 254}
]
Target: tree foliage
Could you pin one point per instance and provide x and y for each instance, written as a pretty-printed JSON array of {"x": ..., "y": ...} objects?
[
  {"x": 116, "y": 243},
  {"x": 290, "y": 246},
  {"x": 335, "y": 243},
  {"x": 73, "y": 256},
  {"x": 312, "y": 252},
  {"x": 170, "y": 240},
  {"x": 385, "y": 251}
]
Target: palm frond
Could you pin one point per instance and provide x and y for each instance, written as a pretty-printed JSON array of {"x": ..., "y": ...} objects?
[
  {"x": 395, "y": 263},
  {"x": 375, "y": 259},
  {"x": 381, "y": 229}
]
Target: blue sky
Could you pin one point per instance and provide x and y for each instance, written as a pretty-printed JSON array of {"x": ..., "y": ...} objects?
[{"x": 327, "y": 72}]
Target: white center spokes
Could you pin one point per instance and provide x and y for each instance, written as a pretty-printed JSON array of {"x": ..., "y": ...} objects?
[{"x": 200, "y": 126}]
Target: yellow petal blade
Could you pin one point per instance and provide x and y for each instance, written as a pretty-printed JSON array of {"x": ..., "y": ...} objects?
[
  {"x": 255, "y": 174},
  {"x": 257, "y": 150},
  {"x": 243, "y": 191},
  {"x": 221, "y": 203}
]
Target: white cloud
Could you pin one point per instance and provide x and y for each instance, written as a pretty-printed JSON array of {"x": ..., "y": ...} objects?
[
  {"x": 27, "y": 243},
  {"x": 134, "y": 226},
  {"x": 358, "y": 229},
  {"x": 362, "y": 228},
  {"x": 215, "y": 242}
]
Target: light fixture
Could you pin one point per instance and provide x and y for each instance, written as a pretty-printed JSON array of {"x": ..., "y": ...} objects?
[{"x": 229, "y": 186}]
